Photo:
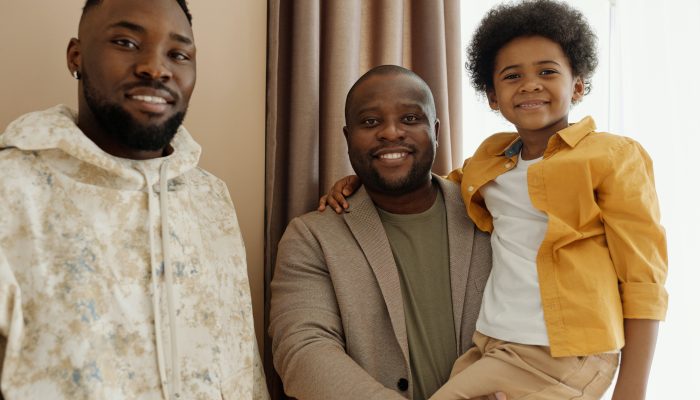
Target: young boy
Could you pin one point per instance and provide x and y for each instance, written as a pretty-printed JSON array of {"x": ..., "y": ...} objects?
[{"x": 579, "y": 255}]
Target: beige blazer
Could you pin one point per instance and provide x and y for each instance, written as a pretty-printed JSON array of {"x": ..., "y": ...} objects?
[{"x": 336, "y": 315}]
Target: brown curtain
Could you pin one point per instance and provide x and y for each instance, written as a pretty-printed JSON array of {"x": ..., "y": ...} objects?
[{"x": 316, "y": 51}]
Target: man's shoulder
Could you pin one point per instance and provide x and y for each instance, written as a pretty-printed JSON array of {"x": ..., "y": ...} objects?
[
  {"x": 15, "y": 163},
  {"x": 329, "y": 227},
  {"x": 320, "y": 221},
  {"x": 207, "y": 183}
]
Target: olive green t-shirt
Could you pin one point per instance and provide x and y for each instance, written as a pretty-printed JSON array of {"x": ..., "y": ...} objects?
[{"x": 421, "y": 250}]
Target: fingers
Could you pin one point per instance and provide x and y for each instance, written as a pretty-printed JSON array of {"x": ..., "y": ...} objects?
[
  {"x": 337, "y": 201},
  {"x": 322, "y": 202},
  {"x": 335, "y": 198},
  {"x": 352, "y": 182}
]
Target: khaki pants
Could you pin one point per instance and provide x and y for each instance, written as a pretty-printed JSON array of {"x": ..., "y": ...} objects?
[{"x": 526, "y": 372}]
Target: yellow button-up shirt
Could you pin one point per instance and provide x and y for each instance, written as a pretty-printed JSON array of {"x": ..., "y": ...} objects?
[{"x": 603, "y": 257}]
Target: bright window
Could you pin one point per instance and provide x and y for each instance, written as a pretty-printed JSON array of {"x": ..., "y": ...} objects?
[{"x": 647, "y": 87}]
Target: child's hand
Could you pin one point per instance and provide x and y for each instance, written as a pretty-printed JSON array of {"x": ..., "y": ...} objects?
[{"x": 340, "y": 190}]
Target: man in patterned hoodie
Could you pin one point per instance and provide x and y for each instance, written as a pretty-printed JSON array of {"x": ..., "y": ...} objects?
[{"x": 122, "y": 269}]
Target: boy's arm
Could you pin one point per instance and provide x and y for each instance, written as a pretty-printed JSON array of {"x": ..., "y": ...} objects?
[
  {"x": 640, "y": 341},
  {"x": 637, "y": 244},
  {"x": 636, "y": 240}
]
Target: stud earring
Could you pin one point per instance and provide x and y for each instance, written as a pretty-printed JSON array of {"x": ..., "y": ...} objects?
[{"x": 76, "y": 75}]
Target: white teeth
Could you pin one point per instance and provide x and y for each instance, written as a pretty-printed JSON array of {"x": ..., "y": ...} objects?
[
  {"x": 392, "y": 156},
  {"x": 530, "y": 105},
  {"x": 150, "y": 99}
]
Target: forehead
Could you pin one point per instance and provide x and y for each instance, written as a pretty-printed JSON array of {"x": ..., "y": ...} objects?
[
  {"x": 530, "y": 49},
  {"x": 165, "y": 15},
  {"x": 393, "y": 89}
]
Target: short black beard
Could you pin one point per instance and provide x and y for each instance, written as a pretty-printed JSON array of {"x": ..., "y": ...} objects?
[
  {"x": 117, "y": 122},
  {"x": 416, "y": 177}
]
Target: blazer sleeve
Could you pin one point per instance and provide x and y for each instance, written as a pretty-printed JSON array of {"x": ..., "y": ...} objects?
[{"x": 308, "y": 344}]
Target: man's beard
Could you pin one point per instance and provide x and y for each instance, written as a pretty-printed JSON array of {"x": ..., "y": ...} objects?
[
  {"x": 116, "y": 121},
  {"x": 417, "y": 176}
]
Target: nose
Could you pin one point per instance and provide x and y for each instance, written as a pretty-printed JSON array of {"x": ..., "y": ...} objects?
[
  {"x": 153, "y": 66},
  {"x": 531, "y": 84},
  {"x": 392, "y": 132}
]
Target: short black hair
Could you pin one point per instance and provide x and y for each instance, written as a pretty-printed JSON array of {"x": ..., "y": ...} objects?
[
  {"x": 387, "y": 69},
  {"x": 182, "y": 3},
  {"x": 554, "y": 20}
]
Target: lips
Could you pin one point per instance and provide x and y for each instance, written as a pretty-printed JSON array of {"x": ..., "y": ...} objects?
[
  {"x": 392, "y": 155},
  {"x": 150, "y": 100},
  {"x": 531, "y": 104}
]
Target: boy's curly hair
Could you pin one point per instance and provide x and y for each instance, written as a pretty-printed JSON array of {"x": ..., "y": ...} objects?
[{"x": 554, "y": 20}]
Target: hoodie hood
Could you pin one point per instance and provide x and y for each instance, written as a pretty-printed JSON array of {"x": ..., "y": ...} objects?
[{"x": 55, "y": 135}]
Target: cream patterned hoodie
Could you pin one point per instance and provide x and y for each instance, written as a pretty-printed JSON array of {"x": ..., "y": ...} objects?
[{"x": 95, "y": 301}]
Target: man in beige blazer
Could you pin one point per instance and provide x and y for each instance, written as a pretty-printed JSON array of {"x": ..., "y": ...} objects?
[{"x": 351, "y": 296}]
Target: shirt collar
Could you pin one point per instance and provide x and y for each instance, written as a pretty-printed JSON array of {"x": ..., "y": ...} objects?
[
  {"x": 575, "y": 132},
  {"x": 570, "y": 135}
]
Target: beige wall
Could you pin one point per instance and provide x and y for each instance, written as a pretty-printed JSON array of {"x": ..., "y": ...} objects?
[{"x": 227, "y": 111}]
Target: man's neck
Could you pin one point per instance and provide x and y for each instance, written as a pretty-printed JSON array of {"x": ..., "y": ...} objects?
[{"x": 414, "y": 202}]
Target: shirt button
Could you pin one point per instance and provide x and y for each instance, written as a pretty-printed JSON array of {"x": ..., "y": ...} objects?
[
  {"x": 509, "y": 164},
  {"x": 402, "y": 384},
  {"x": 470, "y": 189}
]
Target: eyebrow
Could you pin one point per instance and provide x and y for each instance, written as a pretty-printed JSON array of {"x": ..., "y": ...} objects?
[
  {"x": 376, "y": 108},
  {"x": 128, "y": 25},
  {"x": 140, "y": 29},
  {"x": 537, "y": 63},
  {"x": 181, "y": 38}
]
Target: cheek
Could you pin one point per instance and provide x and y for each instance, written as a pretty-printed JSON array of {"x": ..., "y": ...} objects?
[{"x": 186, "y": 81}]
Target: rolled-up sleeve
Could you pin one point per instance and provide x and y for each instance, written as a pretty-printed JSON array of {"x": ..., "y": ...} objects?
[{"x": 636, "y": 240}]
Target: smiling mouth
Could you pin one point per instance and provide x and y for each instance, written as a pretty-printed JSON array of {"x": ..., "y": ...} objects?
[
  {"x": 150, "y": 99},
  {"x": 531, "y": 105},
  {"x": 393, "y": 156}
]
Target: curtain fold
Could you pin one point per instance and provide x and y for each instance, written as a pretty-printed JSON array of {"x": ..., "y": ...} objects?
[{"x": 316, "y": 51}]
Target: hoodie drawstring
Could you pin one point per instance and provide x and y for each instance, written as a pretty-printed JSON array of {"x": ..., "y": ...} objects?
[
  {"x": 168, "y": 268},
  {"x": 171, "y": 386}
]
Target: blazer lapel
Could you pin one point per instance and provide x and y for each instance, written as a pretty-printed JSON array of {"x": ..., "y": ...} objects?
[
  {"x": 460, "y": 246},
  {"x": 364, "y": 223}
]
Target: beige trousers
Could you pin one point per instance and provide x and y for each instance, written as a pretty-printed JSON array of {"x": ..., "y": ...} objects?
[{"x": 526, "y": 372}]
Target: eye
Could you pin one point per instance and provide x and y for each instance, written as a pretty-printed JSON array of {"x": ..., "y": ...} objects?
[
  {"x": 179, "y": 56},
  {"x": 549, "y": 72},
  {"x": 126, "y": 43},
  {"x": 411, "y": 118},
  {"x": 511, "y": 76},
  {"x": 370, "y": 122}
]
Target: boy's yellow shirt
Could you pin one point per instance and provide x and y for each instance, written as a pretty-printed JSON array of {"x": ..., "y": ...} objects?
[{"x": 603, "y": 257}]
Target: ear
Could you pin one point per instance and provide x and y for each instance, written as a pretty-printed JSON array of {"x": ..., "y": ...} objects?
[
  {"x": 493, "y": 102},
  {"x": 74, "y": 56},
  {"x": 437, "y": 132},
  {"x": 579, "y": 90}
]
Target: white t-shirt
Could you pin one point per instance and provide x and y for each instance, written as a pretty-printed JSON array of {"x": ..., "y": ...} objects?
[{"x": 511, "y": 309}]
